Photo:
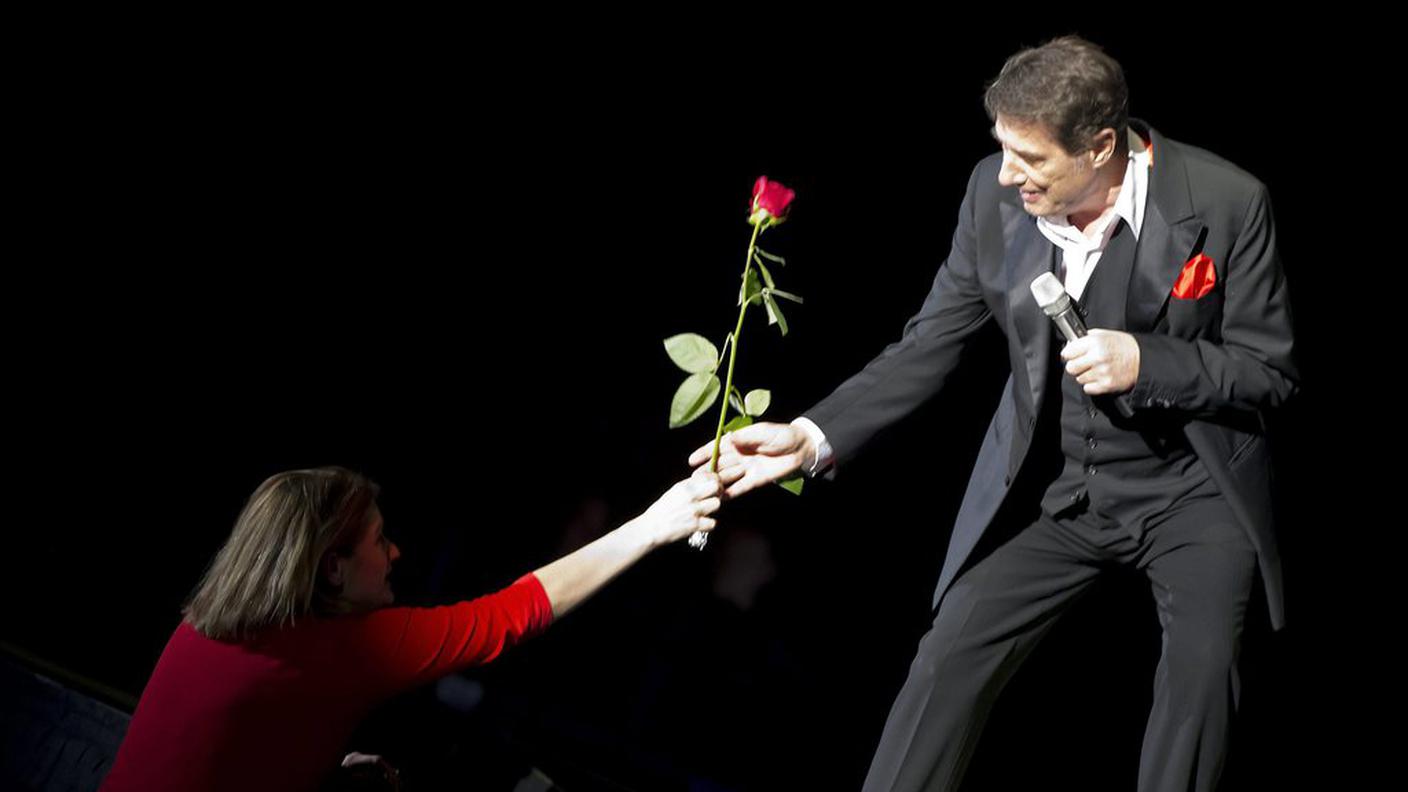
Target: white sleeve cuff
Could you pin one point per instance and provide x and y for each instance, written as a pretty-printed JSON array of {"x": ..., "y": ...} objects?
[{"x": 818, "y": 438}]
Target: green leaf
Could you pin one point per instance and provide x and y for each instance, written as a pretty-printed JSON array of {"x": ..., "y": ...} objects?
[
  {"x": 786, "y": 295},
  {"x": 738, "y": 422},
  {"x": 769, "y": 256},
  {"x": 767, "y": 276},
  {"x": 757, "y": 402},
  {"x": 695, "y": 395},
  {"x": 751, "y": 288},
  {"x": 692, "y": 352},
  {"x": 737, "y": 401},
  {"x": 792, "y": 483},
  {"x": 774, "y": 313}
]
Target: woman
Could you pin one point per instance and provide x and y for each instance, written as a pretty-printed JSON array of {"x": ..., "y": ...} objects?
[{"x": 290, "y": 638}]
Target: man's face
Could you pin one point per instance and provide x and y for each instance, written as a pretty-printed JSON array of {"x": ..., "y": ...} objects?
[{"x": 1051, "y": 182}]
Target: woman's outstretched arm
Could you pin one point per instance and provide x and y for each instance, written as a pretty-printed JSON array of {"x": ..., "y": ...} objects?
[{"x": 681, "y": 511}]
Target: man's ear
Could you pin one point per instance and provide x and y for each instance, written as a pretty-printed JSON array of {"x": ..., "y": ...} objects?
[
  {"x": 332, "y": 569},
  {"x": 1103, "y": 146}
]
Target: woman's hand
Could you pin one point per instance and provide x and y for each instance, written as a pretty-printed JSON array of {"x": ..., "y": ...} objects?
[{"x": 684, "y": 508}]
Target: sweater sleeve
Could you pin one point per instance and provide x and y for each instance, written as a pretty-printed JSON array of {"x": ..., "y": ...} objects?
[{"x": 406, "y": 647}]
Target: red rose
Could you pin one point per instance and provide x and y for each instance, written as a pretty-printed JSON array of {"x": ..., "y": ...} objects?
[
  {"x": 1197, "y": 278},
  {"x": 770, "y": 201}
]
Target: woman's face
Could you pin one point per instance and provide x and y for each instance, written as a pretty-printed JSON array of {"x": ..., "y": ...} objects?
[{"x": 364, "y": 575}]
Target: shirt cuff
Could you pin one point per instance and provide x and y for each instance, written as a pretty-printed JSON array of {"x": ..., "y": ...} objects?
[{"x": 823, "y": 449}]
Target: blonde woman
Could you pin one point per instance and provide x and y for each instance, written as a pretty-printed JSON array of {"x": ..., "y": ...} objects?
[{"x": 290, "y": 639}]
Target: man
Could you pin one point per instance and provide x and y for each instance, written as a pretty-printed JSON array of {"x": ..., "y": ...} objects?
[{"x": 1141, "y": 444}]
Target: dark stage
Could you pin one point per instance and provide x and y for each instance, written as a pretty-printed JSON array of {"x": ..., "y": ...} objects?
[{"x": 453, "y": 270}]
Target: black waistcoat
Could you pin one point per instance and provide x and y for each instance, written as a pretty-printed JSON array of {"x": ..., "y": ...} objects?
[{"x": 1122, "y": 471}]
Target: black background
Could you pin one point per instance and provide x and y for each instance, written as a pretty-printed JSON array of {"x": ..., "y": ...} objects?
[{"x": 448, "y": 259}]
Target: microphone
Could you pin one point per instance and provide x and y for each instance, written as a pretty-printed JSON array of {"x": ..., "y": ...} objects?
[{"x": 1058, "y": 305}]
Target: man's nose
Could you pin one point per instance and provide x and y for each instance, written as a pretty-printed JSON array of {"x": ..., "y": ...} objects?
[
  {"x": 1010, "y": 175},
  {"x": 395, "y": 551}
]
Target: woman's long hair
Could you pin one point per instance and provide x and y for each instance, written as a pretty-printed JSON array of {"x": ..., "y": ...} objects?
[{"x": 267, "y": 574}]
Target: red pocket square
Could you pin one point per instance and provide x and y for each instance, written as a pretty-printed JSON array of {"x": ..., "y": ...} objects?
[{"x": 1197, "y": 278}]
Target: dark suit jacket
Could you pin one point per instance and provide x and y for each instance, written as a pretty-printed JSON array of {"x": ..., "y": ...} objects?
[{"x": 1221, "y": 361}]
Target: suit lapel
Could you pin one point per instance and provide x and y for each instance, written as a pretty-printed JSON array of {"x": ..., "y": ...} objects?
[
  {"x": 1027, "y": 255},
  {"x": 1170, "y": 235}
]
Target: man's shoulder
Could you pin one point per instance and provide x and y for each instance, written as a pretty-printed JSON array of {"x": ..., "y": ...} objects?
[
  {"x": 1210, "y": 174},
  {"x": 983, "y": 185},
  {"x": 987, "y": 168}
]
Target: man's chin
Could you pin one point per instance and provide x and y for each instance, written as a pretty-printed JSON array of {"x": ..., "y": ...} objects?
[{"x": 1039, "y": 209}]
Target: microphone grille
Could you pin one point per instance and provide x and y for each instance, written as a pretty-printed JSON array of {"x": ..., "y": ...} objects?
[{"x": 1047, "y": 290}]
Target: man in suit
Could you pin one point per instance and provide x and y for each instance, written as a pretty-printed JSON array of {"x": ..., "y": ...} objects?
[{"x": 1140, "y": 445}]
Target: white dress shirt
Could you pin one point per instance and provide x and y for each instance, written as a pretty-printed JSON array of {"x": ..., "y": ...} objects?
[{"x": 1080, "y": 252}]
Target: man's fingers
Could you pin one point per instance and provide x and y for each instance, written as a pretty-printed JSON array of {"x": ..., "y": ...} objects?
[
  {"x": 738, "y": 487},
  {"x": 1091, "y": 346},
  {"x": 1098, "y": 386},
  {"x": 767, "y": 438},
  {"x": 764, "y": 437},
  {"x": 730, "y": 474},
  {"x": 745, "y": 484},
  {"x": 1074, "y": 349},
  {"x": 704, "y": 453},
  {"x": 727, "y": 459}
]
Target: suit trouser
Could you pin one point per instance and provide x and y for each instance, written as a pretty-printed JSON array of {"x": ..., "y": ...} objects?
[{"x": 1200, "y": 566}]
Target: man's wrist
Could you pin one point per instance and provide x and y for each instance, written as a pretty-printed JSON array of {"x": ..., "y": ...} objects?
[{"x": 820, "y": 450}]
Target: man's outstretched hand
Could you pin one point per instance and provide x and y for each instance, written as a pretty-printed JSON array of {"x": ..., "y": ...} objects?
[{"x": 762, "y": 453}]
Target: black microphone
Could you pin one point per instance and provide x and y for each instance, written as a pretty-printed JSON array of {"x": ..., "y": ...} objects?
[{"x": 1058, "y": 305}]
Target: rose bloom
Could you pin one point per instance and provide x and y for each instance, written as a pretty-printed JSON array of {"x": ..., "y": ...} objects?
[{"x": 771, "y": 197}]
